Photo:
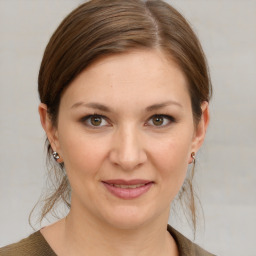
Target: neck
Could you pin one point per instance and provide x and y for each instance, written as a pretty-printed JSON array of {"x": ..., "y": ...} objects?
[{"x": 95, "y": 238}]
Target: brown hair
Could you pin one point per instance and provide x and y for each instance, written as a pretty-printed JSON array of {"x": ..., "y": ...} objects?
[{"x": 103, "y": 27}]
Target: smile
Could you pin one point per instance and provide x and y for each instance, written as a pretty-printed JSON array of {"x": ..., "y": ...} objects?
[
  {"x": 127, "y": 186},
  {"x": 127, "y": 189}
]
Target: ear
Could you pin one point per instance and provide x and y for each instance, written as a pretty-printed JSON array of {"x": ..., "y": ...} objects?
[
  {"x": 49, "y": 128},
  {"x": 201, "y": 128}
]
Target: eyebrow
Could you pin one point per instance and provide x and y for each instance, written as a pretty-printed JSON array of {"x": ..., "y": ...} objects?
[
  {"x": 162, "y": 105},
  {"x": 104, "y": 108},
  {"x": 92, "y": 105}
]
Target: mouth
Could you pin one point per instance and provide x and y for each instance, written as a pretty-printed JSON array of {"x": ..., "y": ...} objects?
[
  {"x": 127, "y": 189},
  {"x": 127, "y": 186}
]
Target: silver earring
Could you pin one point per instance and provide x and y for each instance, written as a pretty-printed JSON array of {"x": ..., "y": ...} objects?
[
  {"x": 55, "y": 155},
  {"x": 193, "y": 155}
]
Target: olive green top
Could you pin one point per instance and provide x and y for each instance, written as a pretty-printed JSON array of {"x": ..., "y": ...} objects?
[{"x": 36, "y": 245}]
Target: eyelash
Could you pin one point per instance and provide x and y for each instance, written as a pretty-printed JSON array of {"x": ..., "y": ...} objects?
[
  {"x": 170, "y": 119},
  {"x": 86, "y": 118}
]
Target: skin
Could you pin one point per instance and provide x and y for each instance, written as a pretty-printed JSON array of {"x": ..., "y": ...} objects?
[{"x": 130, "y": 143}]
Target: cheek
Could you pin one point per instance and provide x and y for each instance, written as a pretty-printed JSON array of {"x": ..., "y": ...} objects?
[
  {"x": 81, "y": 153},
  {"x": 83, "y": 159},
  {"x": 170, "y": 158}
]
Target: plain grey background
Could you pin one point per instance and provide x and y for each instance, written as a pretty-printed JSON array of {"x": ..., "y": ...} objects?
[{"x": 226, "y": 175}]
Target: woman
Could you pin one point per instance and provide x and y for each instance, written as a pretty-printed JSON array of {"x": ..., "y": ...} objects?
[{"x": 124, "y": 93}]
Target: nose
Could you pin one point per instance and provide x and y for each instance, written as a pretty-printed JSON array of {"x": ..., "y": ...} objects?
[{"x": 127, "y": 151}]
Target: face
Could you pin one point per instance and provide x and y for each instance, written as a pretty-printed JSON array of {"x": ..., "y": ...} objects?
[{"x": 125, "y": 133}]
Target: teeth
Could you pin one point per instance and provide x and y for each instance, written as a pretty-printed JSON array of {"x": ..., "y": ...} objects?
[{"x": 127, "y": 186}]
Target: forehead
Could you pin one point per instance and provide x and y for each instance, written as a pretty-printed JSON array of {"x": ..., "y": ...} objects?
[{"x": 129, "y": 78}]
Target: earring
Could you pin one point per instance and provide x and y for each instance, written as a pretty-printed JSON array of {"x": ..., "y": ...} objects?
[
  {"x": 193, "y": 155},
  {"x": 55, "y": 155}
]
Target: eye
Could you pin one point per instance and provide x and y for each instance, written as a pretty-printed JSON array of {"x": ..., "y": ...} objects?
[
  {"x": 161, "y": 120},
  {"x": 95, "y": 120}
]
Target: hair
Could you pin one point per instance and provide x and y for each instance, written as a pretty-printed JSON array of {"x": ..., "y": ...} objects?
[{"x": 101, "y": 28}]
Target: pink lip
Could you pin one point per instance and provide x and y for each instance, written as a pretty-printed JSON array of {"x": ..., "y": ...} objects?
[
  {"x": 127, "y": 182},
  {"x": 127, "y": 193}
]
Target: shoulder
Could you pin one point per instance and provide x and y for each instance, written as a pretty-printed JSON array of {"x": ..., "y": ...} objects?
[
  {"x": 185, "y": 246},
  {"x": 34, "y": 245}
]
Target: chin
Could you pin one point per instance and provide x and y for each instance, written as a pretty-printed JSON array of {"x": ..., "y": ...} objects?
[
  {"x": 127, "y": 223},
  {"x": 128, "y": 217}
]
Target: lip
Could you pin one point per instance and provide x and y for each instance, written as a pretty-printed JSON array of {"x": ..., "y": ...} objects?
[
  {"x": 127, "y": 193},
  {"x": 127, "y": 182}
]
